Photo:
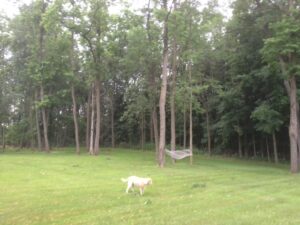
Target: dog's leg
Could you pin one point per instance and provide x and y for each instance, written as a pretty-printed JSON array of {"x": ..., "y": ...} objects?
[
  {"x": 128, "y": 187},
  {"x": 142, "y": 190}
]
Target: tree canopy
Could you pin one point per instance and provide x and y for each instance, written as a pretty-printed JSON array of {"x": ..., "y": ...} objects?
[{"x": 74, "y": 73}]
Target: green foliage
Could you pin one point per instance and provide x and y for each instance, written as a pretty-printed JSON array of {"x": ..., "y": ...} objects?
[
  {"x": 284, "y": 45},
  {"x": 268, "y": 120}
]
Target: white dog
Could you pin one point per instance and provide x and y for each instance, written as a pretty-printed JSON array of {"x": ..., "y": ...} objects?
[{"x": 139, "y": 182}]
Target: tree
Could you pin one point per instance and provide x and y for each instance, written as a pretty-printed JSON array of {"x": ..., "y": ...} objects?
[
  {"x": 163, "y": 91},
  {"x": 283, "y": 48},
  {"x": 268, "y": 121}
]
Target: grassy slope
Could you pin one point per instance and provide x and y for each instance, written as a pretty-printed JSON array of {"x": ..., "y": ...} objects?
[{"x": 62, "y": 188}]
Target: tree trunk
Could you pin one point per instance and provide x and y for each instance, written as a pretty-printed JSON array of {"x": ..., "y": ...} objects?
[
  {"x": 3, "y": 137},
  {"x": 76, "y": 130},
  {"x": 31, "y": 125},
  {"x": 75, "y": 120},
  {"x": 97, "y": 135},
  {"x": 268, "y": 149},
  {"x": 88, "y": 120},
  {"x": 163, "y": 92},
  {"x": 275, "y": 148},
  {"x": 37, "y": 123},
  {"x": 142, "y": 137},
  {"x": 293, "y": 128},
  {"x": 208, "y": 132},
  {"x": 155, "y": 130},
  {"x": 184, "y": 128},
  {"x": 112, "y": 122},
  {"x": 191, "y": 113},
  {"x": 152, "y": 85},
  {"x": 173, "y": 91},
  {"x": 45, "y": 124},
  {"x": 41, "y": 62},
  {"x": 246, "y": 149},
  {"x": 254, "y": 145},
  {"x": 92, "y": 121},
  {"x": 262, "y": 148},
  {"x": 151, "y": 129},
  {"x": 240, "y": 146}
]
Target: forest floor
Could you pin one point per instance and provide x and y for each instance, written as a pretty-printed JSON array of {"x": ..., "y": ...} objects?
[{"x": 64, "y": 188}]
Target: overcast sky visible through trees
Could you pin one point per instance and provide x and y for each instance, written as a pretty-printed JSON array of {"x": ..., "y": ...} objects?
[{"x": 10, "y": 7}]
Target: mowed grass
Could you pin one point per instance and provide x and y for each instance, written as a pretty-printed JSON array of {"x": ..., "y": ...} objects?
[{"x": 63, "y": 188}]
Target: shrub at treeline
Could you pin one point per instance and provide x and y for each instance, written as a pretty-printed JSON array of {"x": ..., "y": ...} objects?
[{"x": 72, "y": 72}]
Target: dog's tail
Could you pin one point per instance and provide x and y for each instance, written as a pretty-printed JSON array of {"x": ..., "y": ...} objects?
[{"x": 124, "y": 180}]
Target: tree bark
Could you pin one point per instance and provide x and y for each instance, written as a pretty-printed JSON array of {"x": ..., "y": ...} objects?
[
  {"x": 152, "y": 83},
  {"x": 268, "y": 149},
  {"x": 112, "y": 121},
  {"x": 275, "y": 148},
  {"x": 37, "y": 123},
  {"x": 41, "y": 58},
  {"x": 240, "y": 146},
  {"x": 76, "y": 130},
  {"x": 75, "y": 120},
  {"x": 173, "y": 91},
  {"x": 45, "y": 124},
  {"x": 254, "y": 145},
  {"x": 184, "y": 128},
  {"x": 91, "y": 148},
  {"x": 97, "y": 135},
  {"x": 293, "y": 128},
  {"x": 191, "y": 113},
  {"x": 163, "y": 93},
  {"x": 208, "y": 131},
  {"x": 88, "y": 120},
  {"x": 3, "y": 137},
  {"x": 155, "y": 130}
]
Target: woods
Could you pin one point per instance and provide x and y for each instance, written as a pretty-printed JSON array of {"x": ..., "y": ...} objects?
[{"x": 171, "y": 73}]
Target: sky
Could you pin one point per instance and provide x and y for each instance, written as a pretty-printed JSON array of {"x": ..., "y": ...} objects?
[{"x": 10, "y": 7}]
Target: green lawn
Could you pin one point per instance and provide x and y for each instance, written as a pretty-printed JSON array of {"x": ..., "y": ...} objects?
[{"x": 63, "y": 188}]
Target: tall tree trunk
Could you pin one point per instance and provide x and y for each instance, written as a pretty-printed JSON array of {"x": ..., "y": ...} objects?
[
  {"x": 208, "y": 131},
  {"x": 246, "y": 149},
  {"x": 293, "y": 128},
  {"x": 31, "y": 119},
  {"x": 88, "y": 120},
  {"x": 3, "y": 137},
  {"x": 261, "y": 145},
  {"x": 41, "y": 58},
  {"x": 184, "y": 128},
  {"x": 152, "y": 85},
  {"x": 240, "y": 146},
  {"x": 173, "y": 91},
  {"x": 92, "y": 122},
  {"x": 37, "y": 123},
  {"x": 163, "y": 92},
  {"x": 45, "y": 124},
  {"x": 191, "y": 113},
  {"x": 275, "y": 148},
  {"x": 254, "y": 145},
  {"x": 76, "y": 130},
  {"x": 142, "y": 135},
  {"x": 155, "y": 130},
  {"x": 151, "y": 129},
  {"x": 268, "y": 149},
  {"x": 112, "y": 121},
  {"x": 75, "y": 120},
  {"x": 97, "y": 135}
]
